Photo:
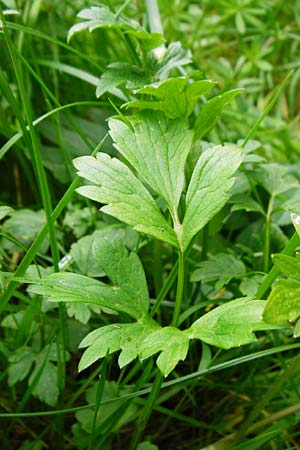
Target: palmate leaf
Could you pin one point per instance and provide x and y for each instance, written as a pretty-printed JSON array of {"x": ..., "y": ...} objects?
[
  {"x": 230, "y": 325},
  {"x": 209, "y": 188},
  {"x": 112, "y": 338},
  {"x": 175, "y": 96},
  {"x": 124, "y": 195},
  {"x": 157, "y": 150}
]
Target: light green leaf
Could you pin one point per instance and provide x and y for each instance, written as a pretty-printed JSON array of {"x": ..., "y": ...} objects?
[
  {"x": 119, "y": 73},
  {"x": 211, "y": 111},
  {"x": 174, "y": 57},
  {"x": 81, "y": 311},
  {"x": 221, "y": 268},
  {"x": 126, "y": 197},
  {"x": 101, "y": 17},
  {"x": 46, "y": 388},
  {"x": 230, "y": 325},
  {"x": 287, "y": 265},
  {"x": 5, "y": 211},
  {"x": 296, "y": 222},
  {"x": 23, "y": 225},
  {"x": 175, "y": 97},
  {"x": 172, "y": 343},
  {"x": 70, "y": 287},
  {"x": 275, "y": 178},
  {"x": 111, "y": 338},
  {"x": 157, "y": 149},
  {"x": 246, "y": 203},
  {"x": 209, "y": 188},
  {"x": 283, "y": 304},
  {"x": 147, "y": 446},
  {"x": 20, "y": 364}
]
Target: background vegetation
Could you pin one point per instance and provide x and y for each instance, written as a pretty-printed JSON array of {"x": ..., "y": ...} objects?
[{"x": 242, "y": 398}]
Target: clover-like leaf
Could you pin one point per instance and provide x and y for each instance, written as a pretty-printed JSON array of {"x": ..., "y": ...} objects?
[
  {"x": 112, "y": 338},
  {"x": 230, "y": 325},
  {"x": 176, "y": 97},
  {"x": 157, "y": 149},
  {"x": 171, "y": 342},
  {"x": 125, "y": 196},
  {"x": 209, "y": 188}
]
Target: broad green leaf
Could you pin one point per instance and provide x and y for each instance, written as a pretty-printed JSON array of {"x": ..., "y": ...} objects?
[
  {"x": 220, "y": 268},
  {"x": 157, "y": 149},
  {"x": 211, "y": 111},
  {"x": 120, "y": 73},
  {"x": 126, "y": 197},
  {"x": 5, "y": 211},
  {"x": 174, "y": 57},
  {"x": 230, "y": 325},
  {"x": 111, "y": 338},
  {"x": 209, "y": 188},
  {"x": 283, "y": 304},
  {"x": 171, "y": 342},
  {"x": 70, "y": 287},
  {"x": 176, "y": 97},
  {"x": 287, "y": 265},
  {"x": 125, "y": 270}
]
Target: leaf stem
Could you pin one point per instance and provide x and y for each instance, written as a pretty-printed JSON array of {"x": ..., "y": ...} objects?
[
  {"x": 267, "y": 234},
  {"x": 268, "y": 280},
  {"x": 144, "y": 417},
  {"x": 179, "y": 291}
]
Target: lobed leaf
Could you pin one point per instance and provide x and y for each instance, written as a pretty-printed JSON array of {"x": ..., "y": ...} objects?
[
  {"x": 119, "y": 73},
  {"x": 157, "y": 149},
  {"x": 283, "y": 303},
  {"x": 209, "y": 188},
  {"x": 171, "y": 342},
  {"x": 211, "y": 111},
  {"x": 112, "y": 338},
  {"x": 125, "y": 196},
  {"x": 230, "y": 325},
  {"x": 71, "y": 287},
  {"x": 176, "y": 97}
]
